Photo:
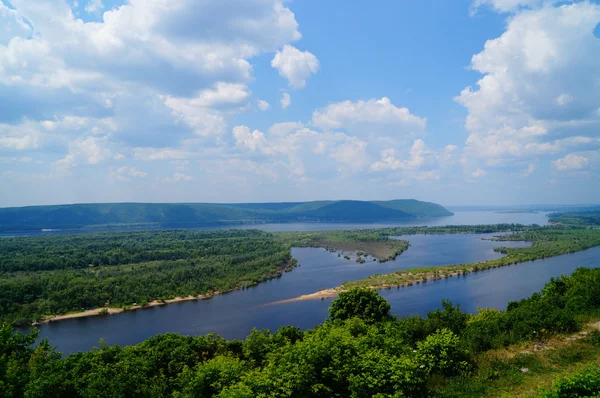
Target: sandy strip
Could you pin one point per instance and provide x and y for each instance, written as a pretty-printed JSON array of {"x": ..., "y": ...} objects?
[
  {"x": 320, "y": 295},
  {"x": 111, "y": 311},
  {"x": 334, "y": 292}
]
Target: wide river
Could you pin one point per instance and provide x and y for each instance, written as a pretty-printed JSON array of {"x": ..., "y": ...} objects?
[
  {"x": 233, "y": 315},
  {"x": 459, "y": 218}
]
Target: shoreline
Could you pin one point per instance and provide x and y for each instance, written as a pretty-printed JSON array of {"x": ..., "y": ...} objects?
[
  {"x": 114, "y": 311},
  {"x": 414, "y": 276},
  {"x": 106, "y": 311}
]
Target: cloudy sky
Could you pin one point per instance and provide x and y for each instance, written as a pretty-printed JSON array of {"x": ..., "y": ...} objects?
[{"x": 457, "y": 102}]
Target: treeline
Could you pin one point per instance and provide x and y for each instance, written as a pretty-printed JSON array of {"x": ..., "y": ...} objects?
[
  {"x": 576, "y": 218},
  {"x": 360, "y": 351},
  {"x": 59, "y": 274},
  {"x": 43, "y": 253}
]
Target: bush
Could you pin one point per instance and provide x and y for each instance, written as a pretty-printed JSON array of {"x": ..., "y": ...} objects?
[
  {"x": 442, "y": 353},
  {"x": 583, "y": 384},
  {"x": 366, "y": 304}
]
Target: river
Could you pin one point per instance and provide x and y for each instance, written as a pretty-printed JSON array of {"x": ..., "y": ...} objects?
[
  {"x": 233, "y": 315},
  {"x": 459, "y": 218}
]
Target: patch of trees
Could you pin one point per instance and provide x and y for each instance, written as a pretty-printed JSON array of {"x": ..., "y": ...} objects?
[
  {"x": 360, "y": 351},
  {"x": 576, "y": 218}
]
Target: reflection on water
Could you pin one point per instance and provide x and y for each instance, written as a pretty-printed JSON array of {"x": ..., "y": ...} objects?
[{"x": 233, "y": 315}]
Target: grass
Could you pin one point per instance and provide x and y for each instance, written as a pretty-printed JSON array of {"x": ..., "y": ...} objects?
[{"x": 523, "y": 370}]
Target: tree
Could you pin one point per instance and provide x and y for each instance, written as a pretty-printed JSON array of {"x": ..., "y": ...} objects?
[{"x": 366, "y": 304}]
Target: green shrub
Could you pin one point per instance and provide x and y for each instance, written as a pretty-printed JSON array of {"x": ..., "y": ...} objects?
[
  {"x": 583, "y": 384},
  {"x": 366, "y": 304}
]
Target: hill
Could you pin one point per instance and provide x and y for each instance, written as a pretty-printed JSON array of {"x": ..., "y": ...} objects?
[{"x": 174, "y": 215}]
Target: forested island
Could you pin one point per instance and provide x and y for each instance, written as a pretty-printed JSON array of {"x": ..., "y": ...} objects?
[{"x": 187, "y": 215}]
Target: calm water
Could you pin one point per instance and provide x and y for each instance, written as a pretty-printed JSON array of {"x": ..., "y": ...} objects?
[
  {"x": 233, "y": 315},
  {"x": 459, "y": 218}
]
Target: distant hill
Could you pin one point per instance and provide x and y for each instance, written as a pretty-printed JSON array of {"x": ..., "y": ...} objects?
[{"x": 172, "y": 215}]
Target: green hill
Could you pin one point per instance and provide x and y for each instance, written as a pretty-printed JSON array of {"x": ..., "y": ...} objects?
[{"x": 173, "y": 215}]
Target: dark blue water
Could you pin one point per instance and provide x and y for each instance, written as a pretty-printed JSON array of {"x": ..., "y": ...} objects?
[
  {"x": 233, "y": 315},
  {"x": 459, "y": 218}
]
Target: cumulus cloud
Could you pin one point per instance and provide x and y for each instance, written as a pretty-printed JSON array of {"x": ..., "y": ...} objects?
[
  {"x": 254, "y": 141},
  {"x": 295, "y": 65},
  {"x": 161, "y": 75},
  {"x": 420, "y": 157},
  {"x": 380, "y": 117},
  {"x": 263, "y": 105},
  {"x": 286, "y": 100},
  {"x": 90, "y": 150},
  {"x": 571, "y": 162},
  {"x": 11, "y": 25},
  {"x": 534, "y": 96}
]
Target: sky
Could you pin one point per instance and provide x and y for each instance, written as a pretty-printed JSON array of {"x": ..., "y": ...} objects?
[{"x": 463, "y": 102}]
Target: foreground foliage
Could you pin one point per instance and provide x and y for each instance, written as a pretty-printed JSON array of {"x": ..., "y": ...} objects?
[{"x": 359, "y": 353}]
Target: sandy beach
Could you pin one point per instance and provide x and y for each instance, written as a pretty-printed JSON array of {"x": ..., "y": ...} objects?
[{"x": 105, "y": 311}]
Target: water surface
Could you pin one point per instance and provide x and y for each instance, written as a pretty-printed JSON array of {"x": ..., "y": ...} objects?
[
  {"x": 463, "y": 217},
  {"x": 233, "y": 315}
]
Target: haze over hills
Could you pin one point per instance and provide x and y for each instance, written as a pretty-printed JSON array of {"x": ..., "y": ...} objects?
[{"x": 78, "y": 216}]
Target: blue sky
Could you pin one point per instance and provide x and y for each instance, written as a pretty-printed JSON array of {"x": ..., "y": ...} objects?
[{"x": 491, "y": 102}]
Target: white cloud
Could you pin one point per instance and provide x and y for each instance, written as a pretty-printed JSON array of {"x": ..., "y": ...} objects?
[
  {"x": 379, "y": 117},
  {"x": 540, "y": 84},
  {"x": 126, "y": 173},
  {"x": 94, "y": 6},
  {"x": 564, "y": 99},
  {"x": 479, "y": 173},
  {"x": 254, "y": 141},
  {"x": 512, "y": 5},
  {"x": 19, "y": 143},
  {"x": 285, "y": 127},
  {"x": 176, "y": 49},
  {"x": 286, "y": 100},
  {"x": 90, "y": 150},
  {"x": 151, "y": 154},
  {"x": 11, "y": 25},
  {"x": 571, "y": 162},
  {"x": 351, "y": 155},
  {"x": 263, "y": 105},
  {"x": 420, "y": 157},
  {"x": 177, "y": 177},
  {"x": 295, "y": 65}
]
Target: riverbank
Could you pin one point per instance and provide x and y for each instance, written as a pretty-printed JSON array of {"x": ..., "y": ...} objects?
[{"x": 105, "y": 311}]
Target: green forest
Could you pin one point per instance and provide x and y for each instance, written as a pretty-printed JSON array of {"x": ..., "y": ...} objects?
[
  {"x": 185, "y": 215},
  {"x": 591, "y": 217},
  {"x": 360, "y": 351},
  {"x": 65, "y": 273}
]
